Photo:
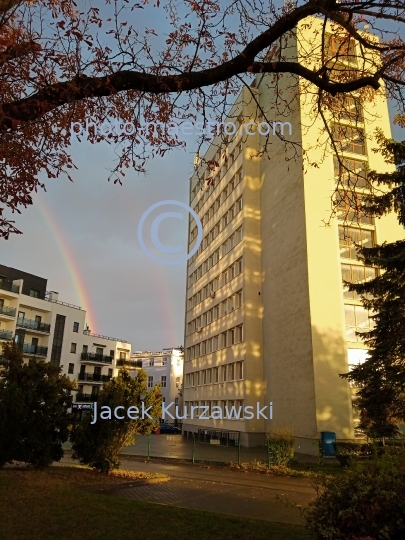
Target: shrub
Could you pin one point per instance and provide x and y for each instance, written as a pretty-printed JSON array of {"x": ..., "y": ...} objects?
[
  {"x": 98, "y": 442},
  {"x": 367, "y": 502},
  {"x": 34, "y": 409},
  {"x": 281, "y": 444},
  {"x": 347, "y": 451}
]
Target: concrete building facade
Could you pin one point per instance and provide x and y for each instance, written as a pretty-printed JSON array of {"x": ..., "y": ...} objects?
[
  {"x": 267, "y": 317},
  {"x": 164, "y": 368}
]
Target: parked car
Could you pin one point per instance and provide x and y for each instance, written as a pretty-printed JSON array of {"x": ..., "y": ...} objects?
[{"x": 169, "y": 429}]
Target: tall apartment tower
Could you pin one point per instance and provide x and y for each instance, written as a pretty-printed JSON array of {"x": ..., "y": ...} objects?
[{"x": 267, "y": 317}]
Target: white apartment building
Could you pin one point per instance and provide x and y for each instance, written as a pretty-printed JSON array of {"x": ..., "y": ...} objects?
[
  {"x": 164, "y": 368},
  {"x": 48, "y": 328},
  {"x": 268, "y": 319}
]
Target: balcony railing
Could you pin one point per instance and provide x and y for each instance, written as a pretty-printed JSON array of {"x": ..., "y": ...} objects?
[
  {"x": 92, "y": 357},
  {"x": 6, "y": 335},
  {"x": 86, "y": 398},
  {"x": 134, "y": 363},
  {"x": 94, "y": 377},
  {"x": 34, "y": 325},
  {"x": 88, "y": 333},
  {"x": 28, "y": 348},
  {"x": 9, "y": 286},
  {"x": 5, "y": 310}
]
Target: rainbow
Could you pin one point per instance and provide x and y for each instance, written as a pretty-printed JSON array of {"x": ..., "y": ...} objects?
[{"x": 68, "y": 256}]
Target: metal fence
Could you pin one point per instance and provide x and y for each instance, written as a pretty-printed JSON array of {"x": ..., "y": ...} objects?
[{"x": 206, "y": 446}]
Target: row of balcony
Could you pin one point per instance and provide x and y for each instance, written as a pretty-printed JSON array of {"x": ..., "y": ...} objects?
[
  {"x": 34, "y": 325},
  {"x": 86, "y": 398},
  {"x": 94, "y": 377},
  {"x": 9, "y": 311},
  {"x": 27, "y": 348},
  {"x": 37, "y": 350},
  {"x": 96, "y": 358},
  {"x": 5, "y": 334},
  {"x": 43, "y": 351},
  {"x": 134, "y": 363}
]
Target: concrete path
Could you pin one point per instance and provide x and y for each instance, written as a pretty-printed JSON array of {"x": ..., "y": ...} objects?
[{"x": 219, "y": 489}]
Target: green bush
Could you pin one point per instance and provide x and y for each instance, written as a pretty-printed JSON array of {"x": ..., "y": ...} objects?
[
  {"x": 34, "y": 409},
  {"x": 346, "y": 452},
  {"x": 97, "y": 442},
  {"x": 281, "y": 445},
  {"x": 367, "y": 502}
]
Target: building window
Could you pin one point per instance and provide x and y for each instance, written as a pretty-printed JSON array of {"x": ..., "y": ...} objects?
[
  {"x": 99, "y": 351},
  {"x": 177, "y": 382},
  {"x": 75, "y": 327},
  {"x": 110, "y": 372},
  {"x": 343, "y": 48},
  {"x": 73, "y": 347},
  {"x": 349, "y": 208},
  {"x": 71, "y": 368},
  {"x": 112, "y": 353},
  {"x": 164, "y": 361},
  {"x": 349, "y": 139},
  {"x": 349, "y": 236},
  {"x": 123, "y": 355},
  {"x": 357, "y": 320},
  {"x": 163, "y": 381},
  {"x": 58, "y": 339},
  {"x": 150, "y": 382},
  {"x": 85, "y": 349},
  {"x": 356, "y": 274},
  {"x": 34, "y": 293},
  {"x": 215, "y": 375},
  {"x": 351, "y": 173},
  {"x": 239, "y": 334},
  {"x": 151, "y": 362}
]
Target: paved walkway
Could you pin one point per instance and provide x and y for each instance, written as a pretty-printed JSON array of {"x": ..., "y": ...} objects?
[
  {"x": 218, "y": 489},
  {"x": 250, "y": 502}
]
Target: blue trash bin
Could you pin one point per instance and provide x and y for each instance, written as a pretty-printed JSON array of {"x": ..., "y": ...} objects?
[{"x": 328, "y": 439}]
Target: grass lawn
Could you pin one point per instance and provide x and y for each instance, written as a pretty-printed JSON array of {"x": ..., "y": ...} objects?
[{"x": 51, "y": 504}]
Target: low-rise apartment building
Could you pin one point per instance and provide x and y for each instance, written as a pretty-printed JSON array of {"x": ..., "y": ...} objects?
[
  {"x": 45, "y": 327},
  {"x": 164, "y": 368}
]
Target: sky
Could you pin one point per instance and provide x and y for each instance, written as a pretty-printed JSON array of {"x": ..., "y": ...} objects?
[{"x": 82, "y": 237}]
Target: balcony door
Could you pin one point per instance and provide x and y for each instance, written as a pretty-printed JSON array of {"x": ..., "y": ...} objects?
[
  {"x": 97, "y": 374},
  {"x": 38, "y": 322}
]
